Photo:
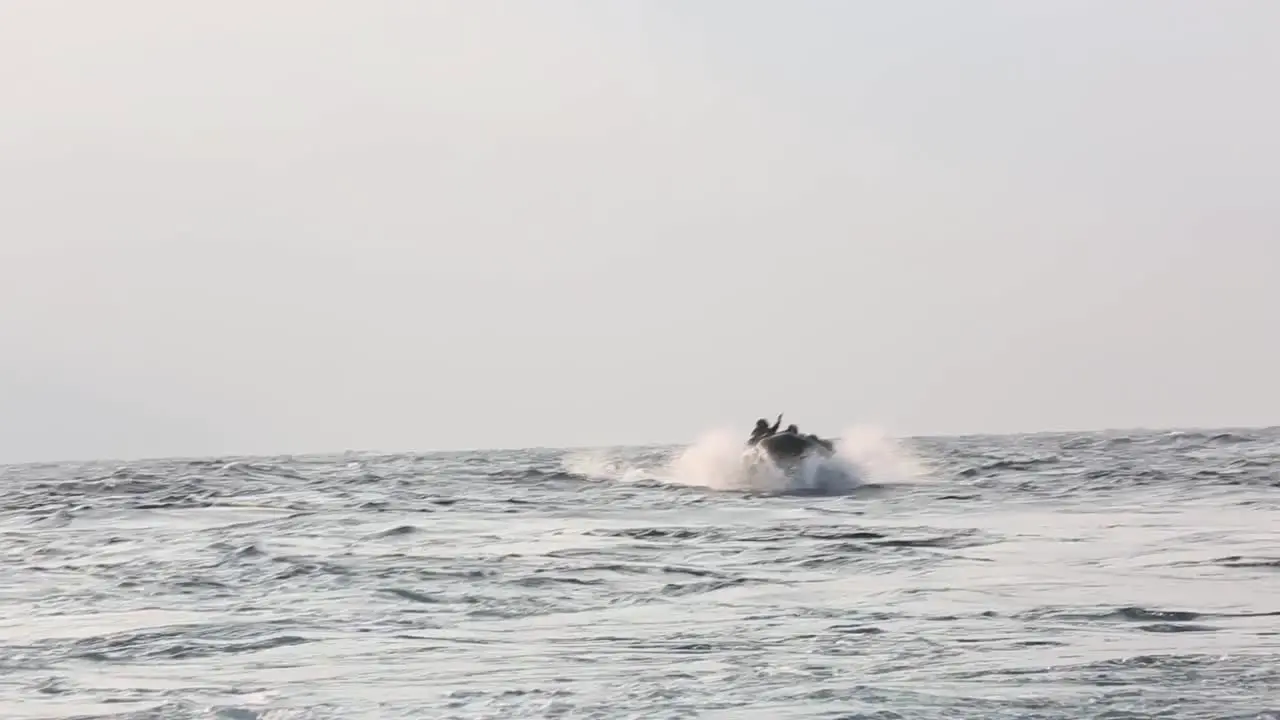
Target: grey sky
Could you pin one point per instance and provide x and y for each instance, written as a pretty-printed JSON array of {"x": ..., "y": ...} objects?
[{"x": 308, "y": 226}]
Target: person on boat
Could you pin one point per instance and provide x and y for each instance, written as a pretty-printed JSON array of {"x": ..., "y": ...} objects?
[
  {"x": 793, "y": 429},
  {"x": 763, "y": 430}
]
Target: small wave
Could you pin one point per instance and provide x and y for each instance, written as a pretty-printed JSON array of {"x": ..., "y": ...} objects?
[
  {"x": 651, "y": 533},
  {"x": 700, "y": 587},
  {"x": 54, "y": 686},
  {"x": 413, "y": 596},
  {"x": 237, "y": 713},
  {"x": 1239, "y": 561},
  {"x": 1177, "y": 628},
  {"x": 1229, "y": 437},
  {"x": 1003, "y": 465},
  {"x": 603, "y": 465},
  {"x": 1144, "y": 614},
  {"x": 1153, "y": 620},
  {"x": 540, "y": 581},
  {"x": 183, "y": 642},
  {"x": 397, "y": 531}
]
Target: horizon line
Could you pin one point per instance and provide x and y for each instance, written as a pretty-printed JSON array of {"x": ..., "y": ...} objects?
[{"x": 610, "y": 446}]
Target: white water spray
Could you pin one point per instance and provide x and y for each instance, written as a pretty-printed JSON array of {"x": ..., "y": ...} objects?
[
  {"x": 863, "y": 456},
  {"x": 603, "y": 465}
]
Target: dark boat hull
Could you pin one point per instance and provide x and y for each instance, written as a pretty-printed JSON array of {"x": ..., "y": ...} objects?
[{"x": 786, "y": 447}]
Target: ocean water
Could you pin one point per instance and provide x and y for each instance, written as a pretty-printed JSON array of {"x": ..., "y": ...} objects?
[{"x": 1048, "y": 576}]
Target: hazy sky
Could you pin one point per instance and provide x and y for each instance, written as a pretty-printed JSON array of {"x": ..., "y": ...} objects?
[{"x": 290, "y": 226}]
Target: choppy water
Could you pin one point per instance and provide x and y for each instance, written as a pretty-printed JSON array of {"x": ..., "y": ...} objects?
[{"x": 1064, "y": 576}]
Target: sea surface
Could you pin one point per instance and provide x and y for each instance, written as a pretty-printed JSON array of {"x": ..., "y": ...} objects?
[{"x": 1119, "y": 575}]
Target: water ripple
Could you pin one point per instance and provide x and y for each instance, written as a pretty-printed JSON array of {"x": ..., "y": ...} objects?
[{"x": 1108, "y": 575}]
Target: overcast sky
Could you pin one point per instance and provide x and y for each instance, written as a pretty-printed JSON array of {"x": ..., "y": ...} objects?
[{"x": 293, "y": 226}]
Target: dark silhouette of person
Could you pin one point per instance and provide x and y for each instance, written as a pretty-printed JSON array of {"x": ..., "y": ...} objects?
[{"x": 763, "y": 430}]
